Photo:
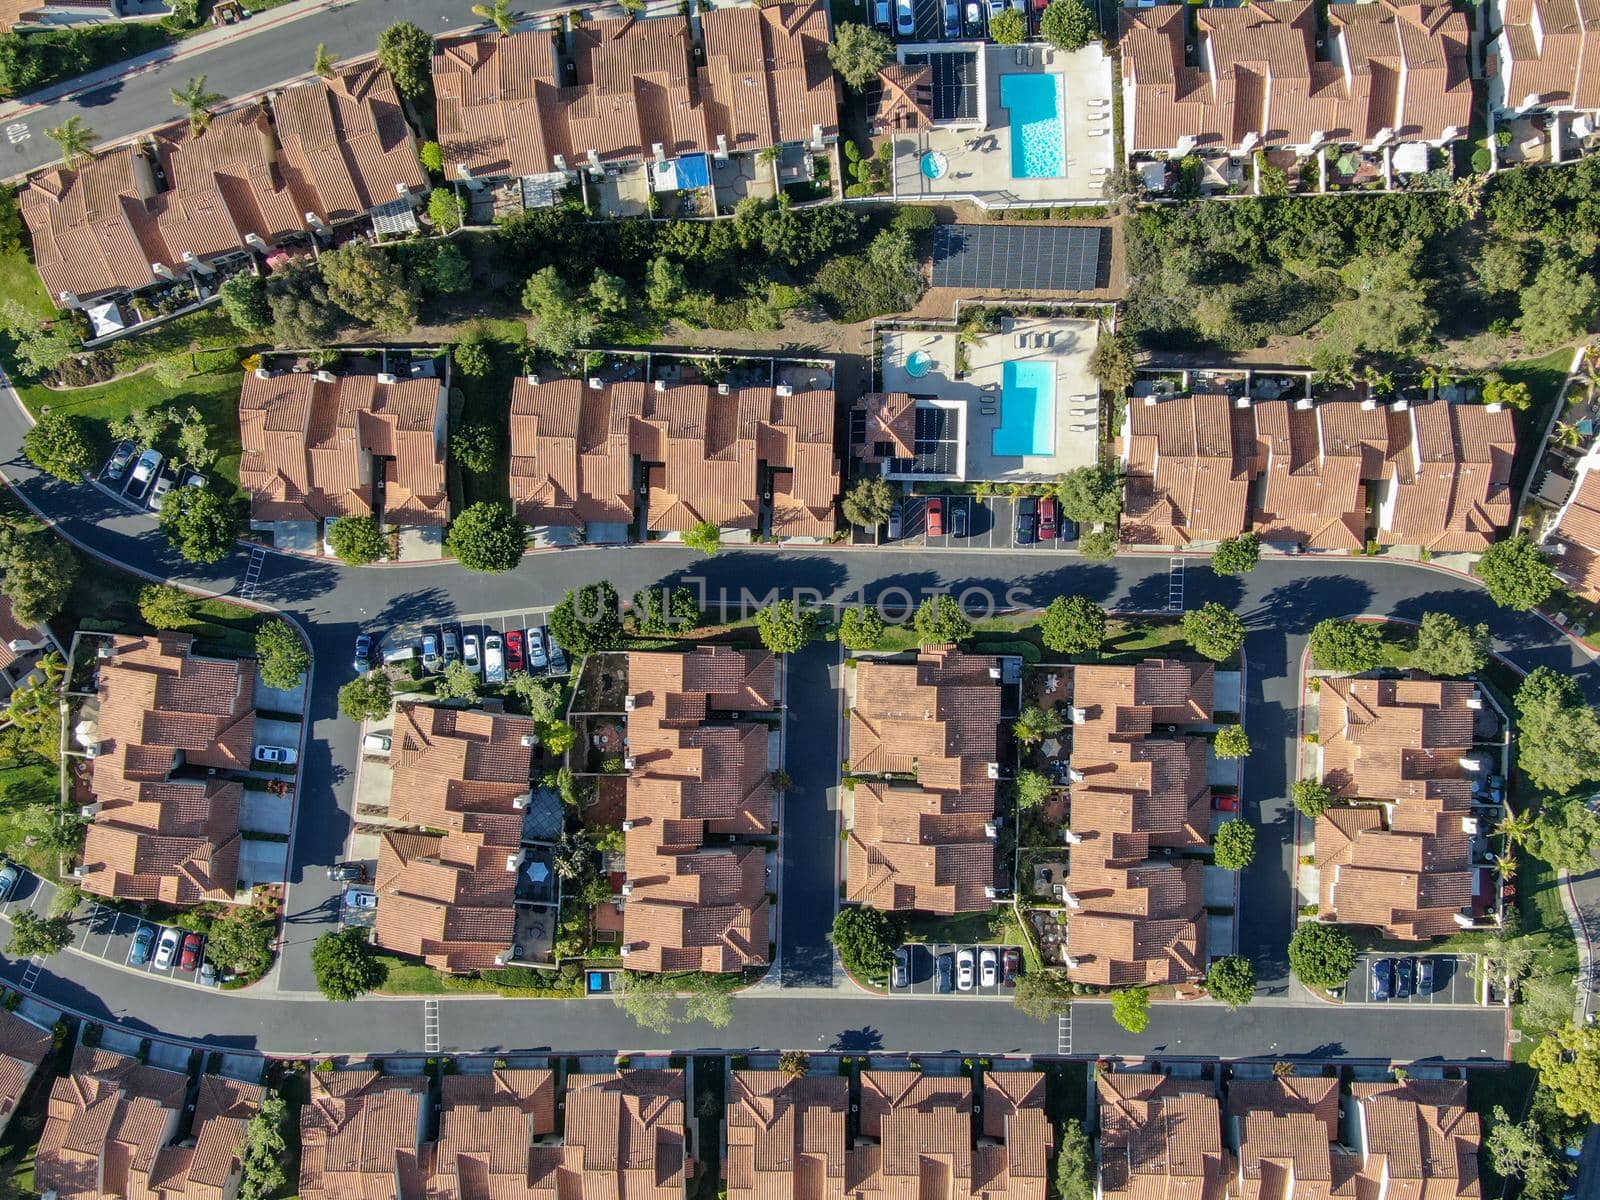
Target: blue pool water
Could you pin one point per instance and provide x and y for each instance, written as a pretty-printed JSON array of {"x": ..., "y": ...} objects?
[
  {"x": 1038, "y": 144},
  {"x": 1027, "y": 408}
]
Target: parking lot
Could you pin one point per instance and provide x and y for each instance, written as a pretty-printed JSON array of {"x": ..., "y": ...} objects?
[
  {"x": 988, "y": 524},
  {"x": 138, "y": 486},
  {"x": 924, "y": 981},
  {"x": 481, "y": 625},
  {"x": 942, "y": 20},
  {"x": 1453, "y": 982}
]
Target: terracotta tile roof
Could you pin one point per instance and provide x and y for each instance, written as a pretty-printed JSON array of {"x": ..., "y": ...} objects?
[
  {"x": 449, "y": 762},
  {"x": 309, "y": 447},
  {"x": 787, "y": 1138},
  {"x": 89, "y": 226},
  {"x": 23, "y": 1046},
  {"x": 1548, "y": 52},
  {"x": 1397, "y": 739},
  {"x": 1400, "y": 70},
  {"x": 208, "y": 1169},
  {"x": 1138, "y": 919},
  {"x": 767, "y": 79},
  {"x": 1313, "y": 465},
  {"x": 625, "y": 1138},
  {"x": 1284, "y": 1132},
  {"x": 901, "y": 98},
  {"x": 706, "y": 456},
  {"x": 156, "y": 837},
  {"x": 1451, "y": 489},
  {"x": 1574, "y": 541},
  {"x": 1422, "y": 1139},
  {"x": 920, "y": 843},
  {"x": 346, "y": 144},
  {"x": 13, "y": 630},
  {"x": 361, "y": 1135},
  {"x": 1187, "y": 461},
  {"x": 697, "y": 774},
  {"x": 490, "y": 1126},
  {"x": 1160, "y": 1138}
]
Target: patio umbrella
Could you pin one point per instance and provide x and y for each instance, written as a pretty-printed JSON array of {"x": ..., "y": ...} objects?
[
  {"x": 538, "y": 872},
  {"x": 1349, "y": 164}
]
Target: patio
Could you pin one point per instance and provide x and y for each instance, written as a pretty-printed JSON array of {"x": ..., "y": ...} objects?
[{"x": 622, "y": 191}]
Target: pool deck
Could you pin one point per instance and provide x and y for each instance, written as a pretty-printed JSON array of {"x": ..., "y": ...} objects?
[
  {"x": 979, "y": 153},
  {"x": 1065, "y": 343}
]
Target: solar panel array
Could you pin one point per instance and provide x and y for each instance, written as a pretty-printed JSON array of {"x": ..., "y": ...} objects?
[
  {"x": 1030, "y": 258},
  {"x": 955, "y": 82}
]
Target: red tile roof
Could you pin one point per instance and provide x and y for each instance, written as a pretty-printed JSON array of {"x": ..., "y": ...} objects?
[
  {"x": 490, "y": 1129},
  {"x": 1422, "y": 1139},
  {"x": 625, "y": 1138},
  {"x": 1573, "y": 543},
  {"x": 361, "y": 1136},
  {"x": 767, "y": 78},
  {"x": 1188, "y": 466},
  {"x": 89, "y": 225},
  {"x": 787, "y": 1137},
  {"x": 1285, "y": 1131},
  {"x": 23, "y": 1046},
  {"x": 13, "y": 630},
  {"x": 1547, "y": 53},
  {"x": 1160, "y": 1138},
  {"x": 1452, "y": 476}
]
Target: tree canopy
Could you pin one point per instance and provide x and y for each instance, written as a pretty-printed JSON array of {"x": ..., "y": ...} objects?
[
  {"x": 58, "y": 445},
  {"x": 869, "y": 502},
  {"x": 1558, "y": 736},
  {"x": 369, "y": 284},
  {"x": 37, "y": 571},
  {"x": 405, "y": 50},
  {"x": 1232, "y": 979},
  {"x": 1349, "y": 647},
  {"x": 1073, "y": 625},
  {"x": 1231, "y": 742},
  {"x": 1214, "y": 631},
  {"x": 588, "y": 619},
  {"x": 786, "y": 627},
  {"x": 281, "y": 656},
  {"x": 1034, "y": 724},
  {"x": 1517, "y": 573},
  {"x": 1091, "y": 495},
  {"x": 940, "y": 620},
  {"x": 1043, "y": 995},
  {"x": 1070, "y": 25},
  {"x": 858, "y": 53},
  {"x": 1447, "y": 645},
  {"x": 357, "y": 540},
  {"x": 663, "y": 611},
  {"x": 1075, "y": 1165},
  {"x": 1568, "y": 1062},
  {"x": 1565, "y": 834},
  {"x": 1130, "y": 1008},
  {"x": 866, "y": 939},
  {"x": 366, "y": 698},
  {"x": 1322, "y": 956},
  {"x": 1311, "y": 797},
  {"x": 1234, "y": 844},
  {"x": 201, "y": 524},
  {"x": 345, "y": 966},
  {"x": 861, "y": 628},
  {"x": 167, "y": 607},
  {"x": 32, "y": 934},
  {"x": 1236, "y": 555},
  {"x": 487, "y": 536}
]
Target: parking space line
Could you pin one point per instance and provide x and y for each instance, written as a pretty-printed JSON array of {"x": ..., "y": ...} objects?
[
  {"x": 116, "y": 925},
  {"x": 88, "y": 926}
]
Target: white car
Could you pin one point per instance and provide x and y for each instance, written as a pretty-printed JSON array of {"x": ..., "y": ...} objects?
[
  {"x": 167, "y": 948},
  {"x": 905, "y": 18},
  {"x": 538, "y": 660},
  {"x": 144, "y": 471},
  {"x": 988, "y": 969},
  {"x": 377, "y": 743},
  {"x": 355, "y": 899},
  {"x": 494, "y": 659},
  {"x": 470, "y": 654},
  {"x": 158, "y": 493},
  {"x": 964, "y": 962},
  {"x": 282, "y": 755}
]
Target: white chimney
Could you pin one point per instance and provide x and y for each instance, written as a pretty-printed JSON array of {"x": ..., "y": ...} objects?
[
  {"x": 595, "y": 383},
  {"x": 322, "y": 376},
  {"x": 263, "y": 373},
  {"x": 722, "y": 147},
  {"x": 254, "y": 241},
  {"x": 88, "y": 811},
  {"x": 1303, "y": 405},
  {"x": 1469, "y": 763},
  {"x": 1469, "y": 825},
  {"x": 783, "y": 389},
  {"x": 629, "y": 702},
  {"x": 627, "y": 888},
  {"x": 502, "y": 958},
  {"x": 463, "y": 171},
  {"x": 1368, "y": 404},
  {"x": 993, "y": 770},
  {"x": 1075, "y": 775},
  {"x": 1071, "y": 900},
  {"x": 513, "y": 861},
  {"x": 1150, "y": 401},
  {"x": 723, "y": 389},
  {"x": 661, "y": 385},
  {"x": 626, "y": 826},
  {"x": 989, "y": 893},
  {"x": 1494, "y": 408},
  {"x": 530, "y": 740},
  {"x": 521, "y": 802},
  {"x": 994, "y": 672},
  {"x": 1070, "y": 838},
  {"x": 1242, "y": 402},
  {"x": 1399, "y": 406},
  {"x": 991, "y": 830},
  {"x": 631, "y": 948},
  {"x": 1079, "y": 715},
  {"x": 316, "y": 222},
  {"x": 1464, "y": 920},
  {"x": 1474, "y": 701},
  {"x": 162, "y": 270},
  {"x": 1071, "y": 963},
  {"x": 533, "y": 380},
  {"x": 385, "y": 377},
  {"x": 628, "y": 763}
]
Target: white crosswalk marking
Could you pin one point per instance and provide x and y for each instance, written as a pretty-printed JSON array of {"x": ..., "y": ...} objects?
[
  {"x": 252, "y": 573},
  {"x": 430, "y": 1026},
  {"x": 1064, "y": 1033},
  {"x": 35, "y": 965},
  {"x": 1175, "y": 584}
]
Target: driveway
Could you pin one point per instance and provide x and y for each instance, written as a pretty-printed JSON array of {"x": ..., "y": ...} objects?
[
  {"x": 1453, "y": 981},
  {"x": 921, "y": 966}
]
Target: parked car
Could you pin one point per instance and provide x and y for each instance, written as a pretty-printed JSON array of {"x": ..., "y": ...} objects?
[
  {"x": 995, "y": 8},
  {"x": 896, "y": 522},
  {"x": 430, "y": 653},
  {"x": 902, "y": 968},
  {"x": 558, "y": 654},
  {"x": 1382, "y": 978},
  {"x": 398, "y": 654},
  {"x": 1405, "y": 978},
  {"x": 944, "y": 970},
  {"x": 377, "y": 743},
  {"x": 989, "y": 969},
  {"x": 282, "y": 755},
  {"x": 538, "y": 660},
  {"x": 363, "y": 659},
  {"x": 208, "y": 974},
  {"x": 190, "y": 958},
  {"x": 146, "y": 469},
  {"x": 965, "y": 962},
  {"x": 10, "y": 876},
  {"x": 1224, "y": 802},
  {"x": 367, "y": 901},
  {"x": 974, "y": 15},
  {"x": 936, "y": 517},
  {"x": 880, "y": 14},
  {"x": 347, "y": 872},
  {"x": 167, "y": 948},
  {"x": 144, "y": 939},
  {"x": 958, "y": 520},
  {"x": 452, "y": 644},
  {"x": 120, "y": 458},
  {"x": 470, "y": 654},
  {"x": 494, "y": 660},
  {"x": 905, "y": 18},
  {"x": 1027, "y": 514},
  {"x": 1010, "y": 967},
  {"x": 1036, "y": 14},
  {"x": 158, "y": 492},
  {"x": 1047, "y": 519},
  {"x": 516, "y": 659},
  {"x": 1425, "y": 982},
  {"x": 192, "y": 478},
  {"x": 952, "y": 19}
]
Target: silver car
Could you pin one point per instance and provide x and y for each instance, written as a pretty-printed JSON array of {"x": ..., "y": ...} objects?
[
  {"x": 430, "y": 653},
  {"x": 494, "y": 659},
  {"x": 469, "y": 653}
]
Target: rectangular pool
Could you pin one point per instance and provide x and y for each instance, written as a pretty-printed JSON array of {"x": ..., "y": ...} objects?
[
  {"x": 1027, "y": 409},
  {"x": 1038, "y": 142}
]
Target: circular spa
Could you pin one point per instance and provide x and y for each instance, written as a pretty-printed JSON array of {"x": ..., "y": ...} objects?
[
  {"x": 918, "y": 363},
  {"x": 935, "y": 165}
]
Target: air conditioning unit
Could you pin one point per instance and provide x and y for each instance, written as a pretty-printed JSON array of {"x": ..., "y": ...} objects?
[
  {"x": 992, "y": 770},
  {"x": 521, "y": 802},
  {"x": 629, "y": 702},
  {"x": 533, "y": 380},
  {"x": 1241, "y": 402},
  {"x": 530, "y": 740},
  {"x": 595, "y": 384},
  {"x": 1304, "y": 405},
  {"x": 1469, "y": 825},
  {"x": 513, "y": 861},
  {"x": 783, "y": 389},
  {"x": 627, "y": 826},
  {"x": 723, "y": 389},
  {"x": 322, "y": 376},
  {"x": 661, "y": 385},
  {"x": 991, "y": 830},
  {"x": 988, "y": 893},
  {"x": 88, "y": 811},
  {"x": 628, "y": 763},
  {"x": 627, "y": 888},
  {"x": 386, "y": 377},
  {"x": 994, "y": 672}
]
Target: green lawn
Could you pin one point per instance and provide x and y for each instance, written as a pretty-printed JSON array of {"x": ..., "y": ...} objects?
[
  {"x": 21, "y": 786},
  {"x": 1128, "y": 639},
  {"x": 107, "y": 599},
  {"x": 1544, "y": 377},
  {"x": 407, "y": 978},
  {"x": 962, "y": 927}
]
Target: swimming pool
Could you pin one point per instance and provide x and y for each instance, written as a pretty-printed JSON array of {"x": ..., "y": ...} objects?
[
  {"x": 1038, "y": 144},
  {"x": 1027, "y": 409}
]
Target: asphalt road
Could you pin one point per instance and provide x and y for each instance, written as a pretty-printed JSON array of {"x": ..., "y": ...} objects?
[{"x": 810, "y": 817}]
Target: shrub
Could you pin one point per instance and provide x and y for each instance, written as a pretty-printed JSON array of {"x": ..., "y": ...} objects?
[
  {"x": 1322, "y": 956},
  {"x": 866, "y": 939}
]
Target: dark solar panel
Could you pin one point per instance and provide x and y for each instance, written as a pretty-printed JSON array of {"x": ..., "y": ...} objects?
[
  {"x": 934, "y": 424},
  {"x": 955, "y": 83},
  {"x": 1021, "y": 257}
]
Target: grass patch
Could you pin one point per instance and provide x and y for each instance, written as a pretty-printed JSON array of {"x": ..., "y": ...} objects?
[
  {"x": 1544, "y": 377},
  {"x": 486, "y": 401},
  {"x": 1128, "y": 639},
  {"x": 960, "y": 928},
  {"x": 21, "y": 786},
  {"x": 108, "y": 600},
  {"x": 407, "y": 978}
]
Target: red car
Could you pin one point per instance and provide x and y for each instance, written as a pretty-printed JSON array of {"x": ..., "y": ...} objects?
[
  {"x": 1225, "y": 802},
  {"x": 516, "y": 659},
  {"x": 936, "y": 517},
  {"x": 1011, "y": 967},
  {"x": 191, "y": 952},
  {"x": 1047, "y": 518}
]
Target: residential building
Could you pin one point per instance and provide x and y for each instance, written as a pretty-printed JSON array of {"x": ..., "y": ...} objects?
[
  {"x": 495, "y": 1136},
  {"x": 900, "y": 99},
  {"x": 319, "y": 446},
  {"x": 1450, "y": 491},
  {"x": 925, "y": 751},
  {"x": 1384, "y": 78},
  {"x": 767, "y": 79},
  {"x": 751, "y": 460},
  {"x": 460, "y": 880},
  {"x": 789, "y": 1136},
  {"x": 917, "y": 1129},
  {"x": 1286, "y": 1129},
  {"x": 116, "y": 1127},
  {"x": 169, "y": 728},
  {"x": 1572, "y": 540},
  {"x": 1187, "y": 461},
  {"x": 627, "y": 1135},
  {"x": 1403, "y": 861},
  {"x": 699, "y": 791},
  {"x": 1541, "y": 63},
  {"x": 21, "y": 646},
  {"x": 23, "y": 1046},
  {"x": 1138, "y": 786},
  {"x": 1159, "y": 1136},
  {"x": 1420, "y": 1137},
  {"x": 361, "y": 1136},
  {"x": 1313, "y": 463}
]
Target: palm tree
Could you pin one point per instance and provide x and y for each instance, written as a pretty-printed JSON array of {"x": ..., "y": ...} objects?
[
  {"x": 323, "y": 65},
  {"x": 75, "y": 139},
  {"x": 1568, "y": 436},
  {"x": 197, "y": 103},
  {"x": 1435, "y": 377},
  {"x": 1516, "y": 828},
  {"x": 1034, "y": 724},
  {"x": 497, "y": 13}
]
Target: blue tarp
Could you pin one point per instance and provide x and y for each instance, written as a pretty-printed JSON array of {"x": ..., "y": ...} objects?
[{"x": 694, "y": 171}]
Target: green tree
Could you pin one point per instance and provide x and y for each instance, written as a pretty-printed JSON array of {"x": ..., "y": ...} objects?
[
  {"x": 37, "y": 347},
  {"x": 1388, "y": 313},
  {"x": 32, "y": 723},
  {"x": 1069, "y": 24},
  {"x": 475, "y": 446},
  {"x": 498, "y": 14},
  {"x": 474, "y": 360},
  {"x": 1446, "y": 645},
  {"x": 1322, "y": 956},
  {"x": 609, "y": 295},
  {"x": 264, "y": 1149},
  {"x": 167, "y": 607},
  {"x": 406, "y": 51},
  {"x": 244, "y": 299},
  {"x": 1008, "y": 27},
  {"x": 561, "y": 322},
  {"x": 431, "y": 156},
  {"x": 1349, "y": 647},
  {"x": 1232, "y": 980},
  {"x": 1236, "y": 555},
  {"x": 713, "y": 1007},
  {"x": 323, "y": 63},
  {"x": 1503, "y": 266},
  {"x": 444, "y": 209},
  {"x": 1234, "y": 844},
  {"x": 58, "y": 446},
  {"x": 1520, "y": 1150},
  {"x": 940, "y": 621},
  {"x": 1091, "y": 495},
  {"x": 861, "y": 628},
  {"x": 1035, "y": 724},
  {"x": 197, "y": 101},
  {"x": 201, "y": 524},
  {"x": 457, "y": 682},
  {"x": 1559, "y": 305},
  {"x": 487, "y": 536},
  {"x": 1568, "y": 1062},
  {"x": 1043, "y": 995},
  {"x": 1098, "y": 545},
  {"x": 1033, "y": 789},
  {"x": 665, "y": 284},
  {"x": 1558, "y": 737},
  {"x": 1214, "y": 631},
  {"x": 370, "y": 285},
  {"x": 866, "y": 939},
  {"x": 1311, "y": 797},
  {"x": 302, "y": 313},
  {"x": 367, "y": 698},
  {"x": 281, "y": 656},
  {"x": 649, "y": 1000},
  {"x": 195, "y": 441},
  {"x": 785, "y": 627},
  {"x": 858, "y": 53},
  {"x": 32, "y": 934},
  {"x": 1566, "y": 833},
  {"x": 357, "y": 540},
  {"x": 345, "y": 966},
  {"x": 1499, "y": 390},
  {"x": 869, "y": 502},
  {"x": 794, "y": 1064},
  {"x": 1231, "y": 742},
  {"x": 240, "y": 941},
  {"x": 705, "y": 537},
  {"x": 1130, "y": 1008},
  {"x": 588, "y": 619},
  {"x": 37, "y": 571},
  {"x": 1112, "y": 361},
  {"x": 75, "y": 140},
  {"x": 662, "y": 612},
  {"x": 543, "y": 700},
  {"x": 1075, "y": 1166},
  {"x": 1517, "y": 573},
  {"x": 1073, "y": 625}
]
